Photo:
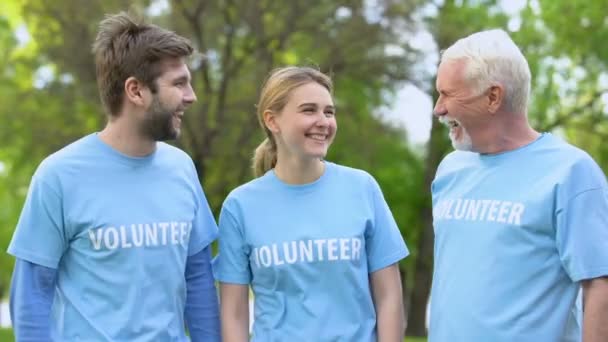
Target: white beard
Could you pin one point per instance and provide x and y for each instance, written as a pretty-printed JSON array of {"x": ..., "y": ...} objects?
[{"x": 464, "y": 143}]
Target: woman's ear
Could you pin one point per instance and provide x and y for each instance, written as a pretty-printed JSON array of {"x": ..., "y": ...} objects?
[{"x": 270, "y": 120}]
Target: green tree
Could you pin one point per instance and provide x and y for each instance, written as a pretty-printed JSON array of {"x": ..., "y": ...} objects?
[
  {"x": 242, "y": 41},
  {"x": 569, "y": 78},
  {"x": 570, "y": 71},
  {"x": 454, "y": 20}
]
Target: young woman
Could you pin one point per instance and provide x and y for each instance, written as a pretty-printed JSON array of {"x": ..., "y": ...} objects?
[{"x": 315, "y": 240}]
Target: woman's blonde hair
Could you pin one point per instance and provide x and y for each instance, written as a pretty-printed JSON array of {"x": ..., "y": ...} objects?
[{"x": 274, "y": 96}]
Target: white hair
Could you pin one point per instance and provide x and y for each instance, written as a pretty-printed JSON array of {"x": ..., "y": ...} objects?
[{"x": 493, "y": 58}]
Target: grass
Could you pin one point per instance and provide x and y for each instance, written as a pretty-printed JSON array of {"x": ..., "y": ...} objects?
[
  {"x": 415, "y": 339},
  {"x": 6, "y": 335}
]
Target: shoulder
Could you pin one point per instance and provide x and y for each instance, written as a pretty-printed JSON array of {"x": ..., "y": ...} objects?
[
  {"x": 455, "y": 161},
  {"x": 351, "y": 175},
  {"x": 54, "y": 163},
  {"x": 175, "y": 158},
  {"x": 253, "y": 189},
  {"x": 174, "y": 153},
  {"x": 573, "y": 166},
  {"x": 351, "y": 182},
  {"x": 571, "y": 155},
  {"x": 248, "y": 195}
]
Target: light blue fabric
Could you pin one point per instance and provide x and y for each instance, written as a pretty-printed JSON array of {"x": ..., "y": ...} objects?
[
  {"x": 31, "y": 297},
  {"x": 515, "y": 233},
  {"x": 118, "y": 230},
  {"x": 307, "y": 251},
  {"x": 33, "y": 288}
]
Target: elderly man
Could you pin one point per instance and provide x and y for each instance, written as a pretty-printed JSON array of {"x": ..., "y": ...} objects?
[{"x": 520, "y": 217}]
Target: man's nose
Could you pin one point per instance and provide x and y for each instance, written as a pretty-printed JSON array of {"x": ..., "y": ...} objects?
[
  {"x": 189, "y": 95},
  {"x": 439, "y": 109}
]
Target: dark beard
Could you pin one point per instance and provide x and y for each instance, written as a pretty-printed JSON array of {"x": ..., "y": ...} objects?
[{"x": 158, "y": 124}]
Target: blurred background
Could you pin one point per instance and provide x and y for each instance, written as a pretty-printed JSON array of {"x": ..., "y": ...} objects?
[{"x": 382, "y": 55}]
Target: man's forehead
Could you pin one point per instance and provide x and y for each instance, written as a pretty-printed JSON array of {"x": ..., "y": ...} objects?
[
  {"x": 451, "y": 71},
  {"x": 174, "y": 67}
]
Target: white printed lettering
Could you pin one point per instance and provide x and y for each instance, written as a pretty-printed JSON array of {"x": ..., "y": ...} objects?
[
  {"x": 106, "y": 238},
  {"x": 291, "y": 254},
  {"x": 502, "y": 213},
  {"x": 95, "y": 237},
  {"x": 356, "y": 248},
  {"x": 493, "y": 210},
  {"x": 124, "y": 243},
  {"x": 344, "y": 249}
]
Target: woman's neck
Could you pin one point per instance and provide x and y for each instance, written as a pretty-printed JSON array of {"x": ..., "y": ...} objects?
[{"x": 296, "y": 171}]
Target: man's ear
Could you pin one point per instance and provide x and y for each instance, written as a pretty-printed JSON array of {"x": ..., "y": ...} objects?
[
  {"x": 496, "y": 97},
  {"x": 134, "y": 91},
  {"x": 270, "y": 120}
]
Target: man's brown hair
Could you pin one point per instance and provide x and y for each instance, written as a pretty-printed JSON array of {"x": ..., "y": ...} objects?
[{"x": 127, "y": 48}]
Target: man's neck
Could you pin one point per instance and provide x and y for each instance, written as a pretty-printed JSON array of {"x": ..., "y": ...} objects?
[
  {"x": 126, "y": 139},
  {"x": 507, "y": 135}
]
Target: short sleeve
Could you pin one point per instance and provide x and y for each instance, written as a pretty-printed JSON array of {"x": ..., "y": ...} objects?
[
  {"x": 204, "y": 228},
  {"x": 384, "y": 243},
  {"x": 231, "y": 265},
  {"x": 40, "y": 236},
  {"x": 582, "y": 234}
]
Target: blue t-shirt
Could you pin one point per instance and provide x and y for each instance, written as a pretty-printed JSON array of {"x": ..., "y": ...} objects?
[
  {"x": 515, "y": 233},
  {"x": 307, "y": 251},
  {"x": 118, "y": 230}
]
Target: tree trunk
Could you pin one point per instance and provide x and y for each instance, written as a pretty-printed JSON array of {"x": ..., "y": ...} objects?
[{"x": 424, "y": 261}]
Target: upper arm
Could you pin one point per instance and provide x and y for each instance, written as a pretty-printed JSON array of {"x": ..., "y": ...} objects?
[
  {"x": 204, "y": 228},
  {"x": 234, "y": 297},
  {"x": 232, "y": 262},
  {"x": 386, "y": 282},
  {"x": 582, "y": 232},
  {"x": 595, "y": 289},
  {"x": 384, "y": 243},
  {"x": 40, "y": 236}
]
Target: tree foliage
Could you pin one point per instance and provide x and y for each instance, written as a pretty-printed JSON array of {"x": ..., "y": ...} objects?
[
  {"x": 48, "y": 92},
  {"x": 241, "y": 42},
  {"x": 567, "y": 62}
]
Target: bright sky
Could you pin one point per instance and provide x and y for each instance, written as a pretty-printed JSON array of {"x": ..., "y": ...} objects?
[{"x": 413, "y": 107}]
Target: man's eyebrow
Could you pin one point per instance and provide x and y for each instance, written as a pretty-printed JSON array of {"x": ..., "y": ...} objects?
[
  {"x": 182, "y": 78},
  {"x": 442, "y": 91}
]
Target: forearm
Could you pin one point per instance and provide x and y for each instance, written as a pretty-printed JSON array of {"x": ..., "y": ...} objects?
[
  {"x": 388, "y": 301},
  {"x": 235, "y": 312},
  {"x": 31, "y": 299},
  {"x": 391, "y": 321},
  {"x": 595, "y": 316},
  {"x": 201, "y": 313},
  {"x": 235, "y": 328}
]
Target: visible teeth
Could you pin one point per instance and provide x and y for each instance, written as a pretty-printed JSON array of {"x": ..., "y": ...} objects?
[
  {"x": 317, "y": 136},
  {"x": 448, "y": 122}
]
